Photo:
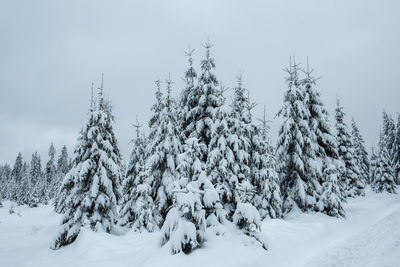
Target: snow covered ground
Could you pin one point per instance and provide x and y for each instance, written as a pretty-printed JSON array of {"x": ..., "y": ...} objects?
[{"x": 369, "y": 236}]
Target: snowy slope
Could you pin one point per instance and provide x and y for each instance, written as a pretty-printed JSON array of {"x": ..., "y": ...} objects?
[{"x": 369, "y": 236}]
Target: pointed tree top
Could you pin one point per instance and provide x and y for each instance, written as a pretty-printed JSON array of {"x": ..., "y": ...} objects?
[
  {"x": 337, "y": 101},
  {"x": 101, "y": 87},
  {"x": 91, "y": 98},
  {"x": 158, "y": 84},
  {"x": 239, "y": 78},
  {"x": 207, "y": 44},
  {"x": 189, "y": 53},
  {"x": 137, "y": 127}
]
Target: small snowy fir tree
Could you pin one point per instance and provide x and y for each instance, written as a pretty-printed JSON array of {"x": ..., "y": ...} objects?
[
  {"x": 138, "y": 210},
  {"x": 246, "y": 216},
  {"x": 268, "y": 198},
  {"x": 25, "y": 187},
  {"x": 239, "y": 140},
  {"x": 296, "y": 148},
  {"x": 383, "y": 176},
  {"x": 196, "y": 204},
  {"x": 164, "y": 146},
  {"x": 50, "y": 173},
  {"x": 351, "y": 182},
  {"x": 331, "y": 198},
  {"x": 327, "y": 161},
  {"x": 389, "y": 134},
  {"x": 93, "y": 182},
  {"x": 373, "y": 164},
  {"x": 15, "y": 179},
  {"x": 220, "y": 160},
  {"x": 38, "y": 188},
  {"x": 360, "y": 151},
  {"x": 396, "y": 153},
  {"x": 5, "y": 178},
  {"x": 63, "y": 167}
]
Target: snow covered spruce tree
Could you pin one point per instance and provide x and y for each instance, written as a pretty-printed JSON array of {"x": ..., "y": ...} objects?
[
  {"x": 5, "y": 180},
  {"x": 351, "y": 182},
  {"x": 163, "y": 147},
  {"x": 59, "y": 192},
  {"x": 220, "y": 160},
  {"x": 253, "y": 160},
  {"x": 38, "y": 194},
  {"x": 390, "y": 140},
  {"x": 389, "y": 134},
  {"x": 383, "y": 179},
  {"x": 5, "y": 172},
  {"x": 187, "y": 101},
  {"x": 267, "y": 199},
  {"x": 250, "y": 188},
  {"x": 296, "y": 149},
  {"x": 203, "y": 102},
  {"x": 25, "y": 187},
  {"x": 15, "y": 179},
  {"x": 396, "y": 153},
  {"x": 196, "y": 203},
  {"x": 240, "y": 140},
  {"x": 138, "y": 209},
  {"x": 360, "y": 151},
  {"x": 327, "y": 163},
  {"x": 93, "y": 182},
  {"x": 373, "y": 164},
  {"x": 50, "y": 173}
]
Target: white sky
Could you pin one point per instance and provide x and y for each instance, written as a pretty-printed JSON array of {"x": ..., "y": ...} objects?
[{"x": 51, "y": 51}]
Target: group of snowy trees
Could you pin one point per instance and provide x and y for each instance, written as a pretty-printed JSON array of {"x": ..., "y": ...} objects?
[
  {"x": 206, "y": 163},
  {"x": 385, "y": 162},
  {"x": 29, "y": 183}
]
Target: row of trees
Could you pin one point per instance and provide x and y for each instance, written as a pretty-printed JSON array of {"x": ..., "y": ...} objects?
[
  {"x": 206, "y": 163},
  {"x": 28, "y": 183}
]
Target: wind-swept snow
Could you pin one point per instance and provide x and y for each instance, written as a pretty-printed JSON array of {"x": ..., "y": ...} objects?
[{"x": 369, "y": 236}]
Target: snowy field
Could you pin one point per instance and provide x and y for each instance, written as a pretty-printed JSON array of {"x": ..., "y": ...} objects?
[{"x": 370, "y": 236}]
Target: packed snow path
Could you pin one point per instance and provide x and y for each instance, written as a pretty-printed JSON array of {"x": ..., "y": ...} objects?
[{"x": 369, "y": 236}]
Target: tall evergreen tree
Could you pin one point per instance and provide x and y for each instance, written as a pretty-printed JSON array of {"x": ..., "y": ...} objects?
[
  {"x": 220, "y": 161},
  {"x": 138, "y": 209},
  {"x": 267, "y": 199},
  {"x": 50, "y": 173},
  {"x": 163, "y": 148},
  {"x": 36, "y": 181},
  {"x": 351, "y": 182},
  {"x": 196, "y": 203},
  {"x": 326, "y": 161},
  {"x": 360, "y": 151},
  {"x": 373, "y": 165},
  {"x": 389, "y": 134},
  {"x": 63, "y": 167},
  {"x": 16, "y": 178},
  {"x": 25, "y": 193},
  {"x": 93, "y": 182},
  {"x": 203, "y": 102},
  {"x": 383, "y": 176},
  {"x": 296, "y": 148},
  {"x": 187, "y": 99},
  {"x": 5, "y": 181},
  {"x": 396, "y": 153}
]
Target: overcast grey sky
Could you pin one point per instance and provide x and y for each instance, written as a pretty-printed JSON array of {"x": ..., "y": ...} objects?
[{"x": 51, "y": 51}]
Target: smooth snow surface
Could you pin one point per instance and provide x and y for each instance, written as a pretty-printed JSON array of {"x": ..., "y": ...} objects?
[{"x": 369, "y": 236}]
